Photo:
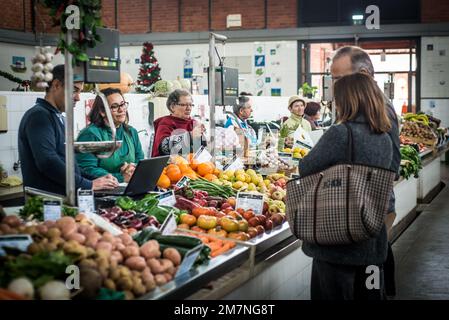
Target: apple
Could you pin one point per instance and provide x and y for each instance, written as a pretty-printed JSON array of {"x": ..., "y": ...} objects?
[
  {"x": 277, "y": 219},
  {"x": 254, "y": 221},
  {"x": 268, "y": 225},
  {"x": 265, "y": 207},
  {"x": 277, "y": 195},
  {"x": 262, "y": 219},
  {"x": 260, "y": 230},
  {"x": 225, "y": 205},
  {"x": 252, "y": 232}
]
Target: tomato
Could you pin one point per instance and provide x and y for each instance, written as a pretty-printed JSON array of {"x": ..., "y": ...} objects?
[
  {"x": 206, "y": 222},
  {"x": 231, "y": 201},
  {"x": 220, "y": 214},
  {"x": 218, "y": 231},
  {"x": 240, "y": 210},
  {"x": 187, "y": 219},
  {"x": 199, "y": 211},
  {"x": 229, "y": 224},
  {"x": 243, "y": 225},
  {"x": 238, "y": 236},
  {"x": 232, "y": 213},
  {"x": 248, "y": 214},
  {"x": 198, "y": 229},
  {"x": 183, "y": 226}
]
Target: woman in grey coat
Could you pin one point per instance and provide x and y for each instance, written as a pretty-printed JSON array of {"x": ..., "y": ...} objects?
[{"x": 342, "y": 271}]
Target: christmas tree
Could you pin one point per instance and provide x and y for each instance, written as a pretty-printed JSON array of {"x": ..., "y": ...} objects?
[{"x": 149, "y": 71}]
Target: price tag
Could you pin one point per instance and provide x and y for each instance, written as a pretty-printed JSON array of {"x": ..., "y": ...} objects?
[
  {"x": 188, "y": 260},
  {"x": 286, "y": 156},
  {"x": 169, "y": 225},
  {"x": 104, "y": 224},
  {"x": 303, "y": 145},
  {"x": 235, "y": 164},
  {"x": 86, "y": 201},
  {"x": 246, "y": 201},
  {"x": 167, "y": 198},
  {"x": 182, "y": 182},
  {"x": 20, "y": 242},
  {"x": 52, "y": 209},
  {"x": 202, "y": 155}
]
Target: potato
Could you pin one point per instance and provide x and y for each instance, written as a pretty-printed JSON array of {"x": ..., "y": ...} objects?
[
  {"x": 64, "y": 221},
  {"x": 83, "y": 229},
  {"x": 124, "y": 271},
  {"x": 130, "y": 251},
  {"x": 5, "y": 228},
  {"x": 136, "y": 263},
  {"x": 34, "y": 248},
  {"x": 128, "y": 295},
  {"x": 168, "y": 276},
  {"x": 80, "y": 217},
  {"x": 126, "y": 239},
  {"x": 78, "y": 237},
  {"x": 125, "y": 283},
  {"x": 150, "y": 285},
  {"x": 114, "y": 273},
  {"x": 110, "y": 284},
  {"x": 67, "y": 230},
  {"x": 91, "y": 241},
  {"x": 50, "y": 224},
  {"x": 116, "y": 257},
  {"x": 155, "y": 266},
  {"x": 166, "y": 264},
  {"x": 88, "y": 263},
  {"x": 108, "y": 237},
  {"x": 42, "y": 229},
  {"x": 147, "y": 276},
  {"x": 103, "y": 245},
  {"x": 160, "y": 279},
  {"x": 12, "y": 221},
  {"x": 120, "y": 246},
  {"x": 150, "y": 249},
  {"x": 173, "y": 255},
  {"x": 172, "y": 270},
  {"x": 51, "y": 246},
  {"x": 139, "y": 290},
  {"x": 53, "y": 232}
]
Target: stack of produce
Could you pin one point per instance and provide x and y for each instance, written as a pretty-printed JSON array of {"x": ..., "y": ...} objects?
[
  {"x": 406, "y": 141},
  {"x": 112, "y": 266},
  {"x": 296, "y": 152},
  {"x": 191, "y": 168},
  {"x": 242, "y": 180},
  {"x": 224, "y": 220},
  {"x": 410, "y": 162},
  {"x": 34, "y": 209},
  {"x": 269, "y": 159},
  {"x": 418, "y": 129}
]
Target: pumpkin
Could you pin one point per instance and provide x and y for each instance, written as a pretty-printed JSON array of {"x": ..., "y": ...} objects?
[{"x": 126, "y": 81}]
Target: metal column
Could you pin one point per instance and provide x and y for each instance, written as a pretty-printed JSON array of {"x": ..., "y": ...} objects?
[{"x": 68, "y": 101}]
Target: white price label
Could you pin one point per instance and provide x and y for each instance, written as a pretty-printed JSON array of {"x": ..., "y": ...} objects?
[
  {"x": 167, "y": 198},
  {"x": 86, "y": 201},
  {"x": 169, "y": 225},
  {"x": 182, "y": 182},
  {"x": 188, "y": 260},
  {"x": 202, "y": 155},
  {"x": 104, "y": 224},
  {"x": 286, "y": 156},
  {"x": 246, "y": 201},
  {"x": 301, "y": 144},
  {"x": 20, "y": 242},
  {"x": 52, "y": 209},
  {"x": 235, "y": 164}
]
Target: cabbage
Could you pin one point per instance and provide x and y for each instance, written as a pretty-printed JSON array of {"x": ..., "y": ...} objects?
[
  {"x": 176, "y": 85},
  {"x": 163, "y": 87},
  {"x": 185, "y": 83}
]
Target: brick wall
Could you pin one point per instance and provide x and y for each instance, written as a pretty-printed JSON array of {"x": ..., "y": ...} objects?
[
  {"x": 434, "y": 11},
  {"x": 134, "y": 16}
]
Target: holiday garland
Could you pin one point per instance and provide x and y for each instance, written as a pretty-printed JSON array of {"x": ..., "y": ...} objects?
[
  {"x": 10, "y": 77},
  {"x": 149, "y": 71},
  {"x": 90, "y": 19}
]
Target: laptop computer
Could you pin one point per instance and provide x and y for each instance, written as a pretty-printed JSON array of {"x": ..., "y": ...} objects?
[{"x": 144, "y": 179}]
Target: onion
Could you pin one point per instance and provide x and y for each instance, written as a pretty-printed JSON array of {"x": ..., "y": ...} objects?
[
  {"x": 54, "y": 290},
  {"x": 23, "y": 287},
  {"x": 48, "y": 76},
  {"x": 37, "y": 67}
]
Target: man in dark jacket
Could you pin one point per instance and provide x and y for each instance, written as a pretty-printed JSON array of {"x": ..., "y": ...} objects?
[
  {"x": 42, "y": 142},
  {"x": 348, "y": 60}
]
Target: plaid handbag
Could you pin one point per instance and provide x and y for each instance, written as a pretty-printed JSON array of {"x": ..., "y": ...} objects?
[{"x": 343, "y": 204}]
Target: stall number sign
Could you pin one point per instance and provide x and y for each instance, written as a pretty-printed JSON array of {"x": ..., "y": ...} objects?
[
  {"x": 169, "y": 225},
  {"x": 235, "y": 164},
  {"x": 182, "y": 182},
  {"x": 188, "y": 260},
  {"x": 86, "y": 200},
  {"x": 202, "y": 155},
  {"x": 167, "y": 198},
  {"x": 19, "y": 242},
  {"x": 246, "y": 201},
  {"x": 52, "y": 209}
]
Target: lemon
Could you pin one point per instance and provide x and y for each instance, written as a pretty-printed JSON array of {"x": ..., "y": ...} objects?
[
  {"x": 238, "y": 172},
  {"x": 230, "y": 173},
  {"x": 251, "y": 172},
  {"x": 248, "y": 178},
  {"x": 223, "y": 176},
  {"x": 227, "y": 183},
  {"x": 287, "y": 150},
  {"x": 252, "y": 187},
  {"x": 297, "y": 155},
  {"x": 267, "y": 182},
  {"x": 241, "y": 177},
  {"x": 237, "y": 185}
]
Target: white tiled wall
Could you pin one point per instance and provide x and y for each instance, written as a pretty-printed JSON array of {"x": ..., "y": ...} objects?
[{"x": 287, "y": 279}]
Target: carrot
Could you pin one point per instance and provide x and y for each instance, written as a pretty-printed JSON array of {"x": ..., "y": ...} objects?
[
  {"x": 9, "y": 295},
  {"x": 231, "y": 243},
  {"x": 205, "y": 239},
  {"x": 221, "y": 250},
  {"x": 214, "y": 246},
  {"x": 219, "y": 241}
]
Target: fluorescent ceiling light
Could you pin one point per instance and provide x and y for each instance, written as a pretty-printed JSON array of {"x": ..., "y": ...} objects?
[{"x": 357, "y": 17}]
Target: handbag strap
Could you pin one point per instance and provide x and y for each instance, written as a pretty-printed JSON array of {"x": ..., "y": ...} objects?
[{"x": 350, "y": 153}]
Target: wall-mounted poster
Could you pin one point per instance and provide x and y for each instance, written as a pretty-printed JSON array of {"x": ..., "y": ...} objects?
[{"x": 18, "y": 64}]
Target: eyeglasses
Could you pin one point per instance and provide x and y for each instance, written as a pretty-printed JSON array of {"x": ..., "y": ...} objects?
[
  {"x": 115, "y": 106},
  {"x": 185, "y": 105}
]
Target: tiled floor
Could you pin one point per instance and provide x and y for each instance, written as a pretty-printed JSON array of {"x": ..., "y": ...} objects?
[{"x": 422, "y": 251}]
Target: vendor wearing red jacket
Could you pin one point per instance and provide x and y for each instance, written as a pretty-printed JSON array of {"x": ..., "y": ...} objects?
[{"x": 177, "y": 133}]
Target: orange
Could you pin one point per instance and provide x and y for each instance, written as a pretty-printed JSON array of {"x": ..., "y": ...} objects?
[
  {"x": 217, "y": 171},
  {"x": 190, "y": 157},
  {"x": 210, "y": 177},
  {"x": 184, "y": 168},
  {"x": 194, "y": 164},
  {"x": 164, "y": 182},
  {"x": 174, "y": 173},
  {"x": 204, "y": 169},
  {"x": 192, "y": 175}
]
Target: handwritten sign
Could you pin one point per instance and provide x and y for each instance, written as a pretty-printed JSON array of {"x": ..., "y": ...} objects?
[
  {"x": 247, "y": 200},
  {"x": 52, "y": 209}
]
